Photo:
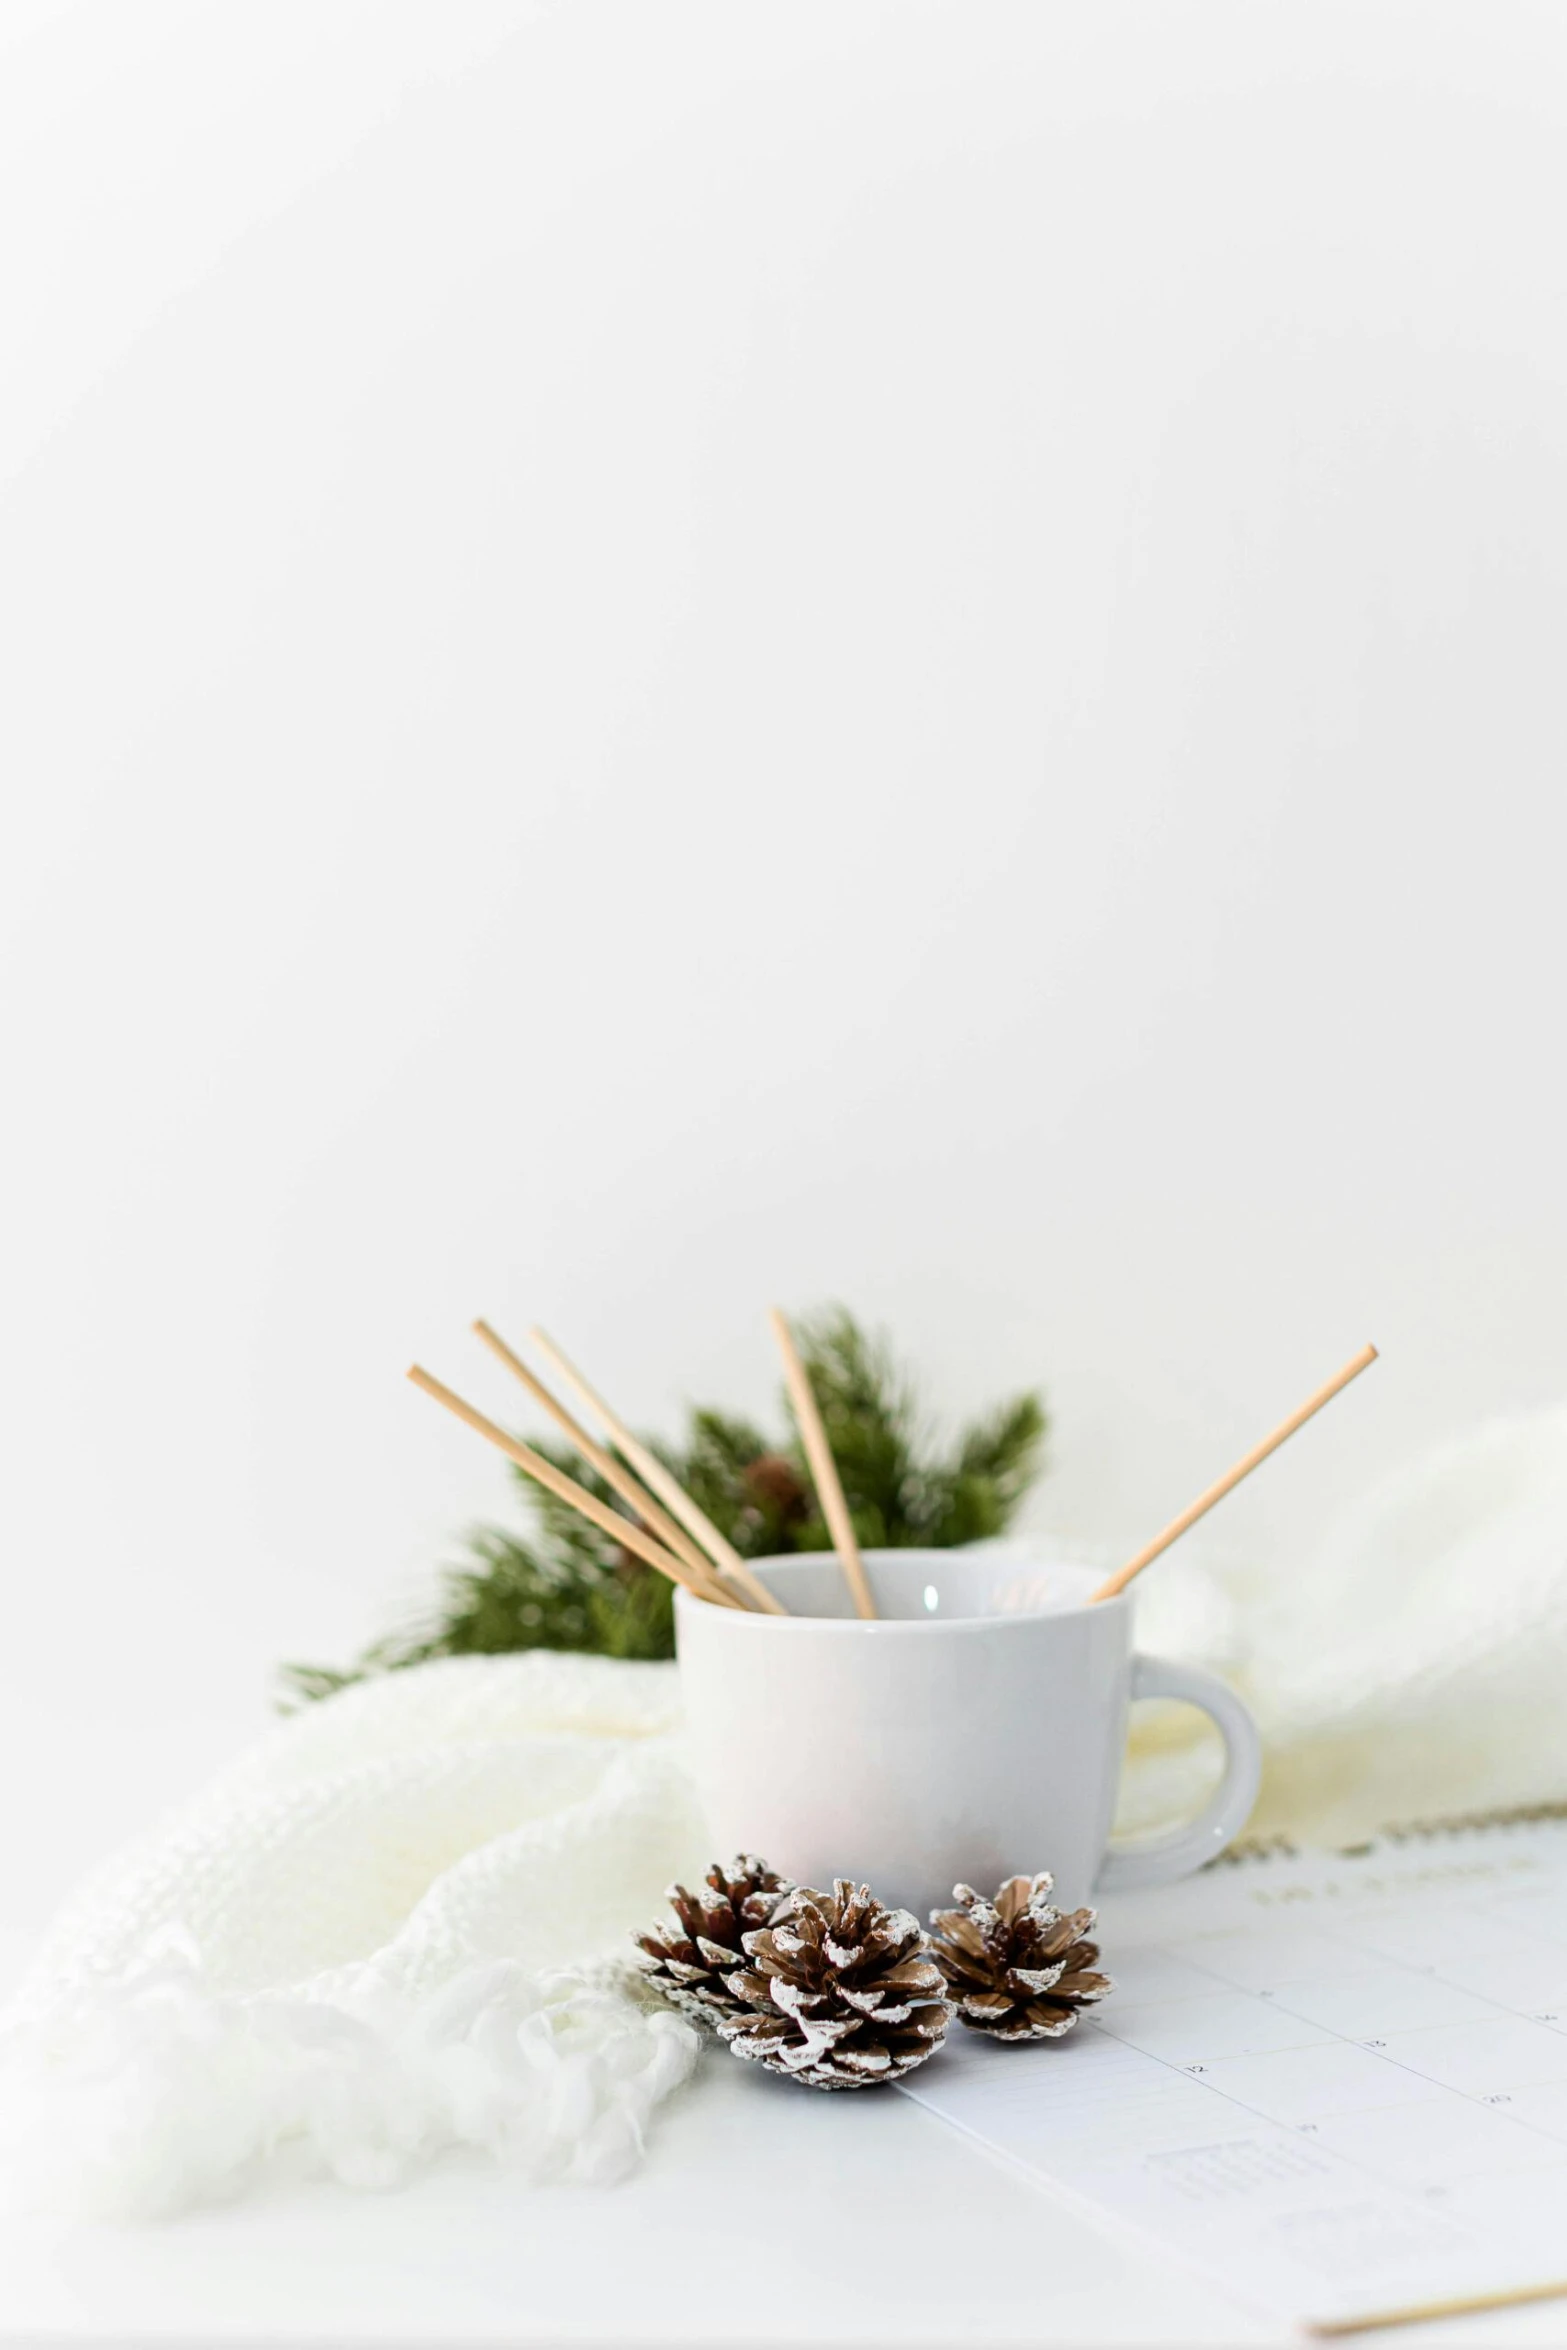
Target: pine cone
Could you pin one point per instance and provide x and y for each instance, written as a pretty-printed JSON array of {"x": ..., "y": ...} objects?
[
  {"x": 689, "y": 1961},
  {"x": 1016, "y": 1967},
  {"x": 840, "y": 1992},
  {"x": 776, "y": 1483}
]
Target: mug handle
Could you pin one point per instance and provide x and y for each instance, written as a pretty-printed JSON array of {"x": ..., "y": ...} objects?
[{"x": 1180, "y": 1850}]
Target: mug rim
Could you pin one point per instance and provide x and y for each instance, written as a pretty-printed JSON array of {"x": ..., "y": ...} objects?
[{"x": 882, "y": 1627}]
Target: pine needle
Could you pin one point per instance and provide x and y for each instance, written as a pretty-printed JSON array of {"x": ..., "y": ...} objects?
[{"x": 568, "y": 1586}]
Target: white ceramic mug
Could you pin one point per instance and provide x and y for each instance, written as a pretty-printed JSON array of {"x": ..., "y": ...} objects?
[{"x": 973, "y": 1730}]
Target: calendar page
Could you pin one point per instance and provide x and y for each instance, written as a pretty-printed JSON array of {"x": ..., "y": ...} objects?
[{"x": 1337, "y": 2083}]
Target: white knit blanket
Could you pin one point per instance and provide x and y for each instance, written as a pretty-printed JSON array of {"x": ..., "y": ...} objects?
[{"x": 396, "y": 1925}]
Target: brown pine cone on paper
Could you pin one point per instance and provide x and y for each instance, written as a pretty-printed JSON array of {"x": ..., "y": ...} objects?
[
  {"x": 689, "y": 1960},
  {"x": 1017, "y": 1967},
  {"x": 840, "y": 1992}
]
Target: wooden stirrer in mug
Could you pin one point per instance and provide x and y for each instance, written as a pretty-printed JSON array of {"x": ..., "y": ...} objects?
[
  {"x": 656, "y": 1519},
  {"x": 731, "y": 1566},
  {"x": 1232, "y": 1477},
  {"x": 565, "y": 1489},
  {"x": 824, "y": 1469}
]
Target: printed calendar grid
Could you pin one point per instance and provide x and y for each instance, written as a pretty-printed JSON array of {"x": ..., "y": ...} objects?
[
  {"x": 1533, "y": 2056},
  {"x": 1332, "y": 2081}
]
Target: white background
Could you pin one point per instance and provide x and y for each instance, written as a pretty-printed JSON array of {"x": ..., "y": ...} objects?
[{"x": 663, "y": 656}]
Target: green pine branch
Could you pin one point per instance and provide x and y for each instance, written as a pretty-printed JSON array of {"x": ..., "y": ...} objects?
[{"x": 569, "y": 1586}]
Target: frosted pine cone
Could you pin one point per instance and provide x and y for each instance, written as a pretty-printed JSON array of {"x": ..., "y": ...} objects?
[
  {"x": 689, "y": 1960},
  {"x": 840, "y": 1992},
  {"x": 1017, "y": 1967}
]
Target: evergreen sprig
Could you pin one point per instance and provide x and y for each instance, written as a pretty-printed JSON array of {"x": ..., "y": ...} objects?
[{"x": 572, "y": 1587}]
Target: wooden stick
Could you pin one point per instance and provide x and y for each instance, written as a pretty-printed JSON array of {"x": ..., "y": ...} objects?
[
  {"x": 657, "y": 1521},
  {"x": 1232, "y": 1477},
  {"x": 653, "y": 1474},
  {"x": 1510, "y": 2297},
  {"x": 824, "y": 1469},
  {"x": 565, "y": 1489}
]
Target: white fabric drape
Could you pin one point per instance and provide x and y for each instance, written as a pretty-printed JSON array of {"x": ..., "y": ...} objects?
[
  {"x": 393, "y": 1926},
  {"x": 397, "y": 1923}
]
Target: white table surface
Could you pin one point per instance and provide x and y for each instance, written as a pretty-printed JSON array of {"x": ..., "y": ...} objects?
[{"x": 765, "y": 2216}]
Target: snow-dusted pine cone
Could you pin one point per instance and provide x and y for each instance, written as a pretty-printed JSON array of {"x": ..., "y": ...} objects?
[
  {"x": 839, "y": 1992},
  {"x": 687, "y": 1960},
  {"x": 1017, "y": 1967}
]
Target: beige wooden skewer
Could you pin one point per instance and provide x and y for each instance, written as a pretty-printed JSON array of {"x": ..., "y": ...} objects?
[
  {"x": 565, "y": 1489},
  {"x": 653, "y": 1474},
  {"x": 1232, "y": 1477},
  {"x": 1463, "y": 2305},
  {"x": 824, "y": 1469},
  {"x": 657, "y": 1521}
]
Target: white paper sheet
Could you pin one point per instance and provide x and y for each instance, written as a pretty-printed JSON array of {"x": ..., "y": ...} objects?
[{"x": 1338, "y": 2083}]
